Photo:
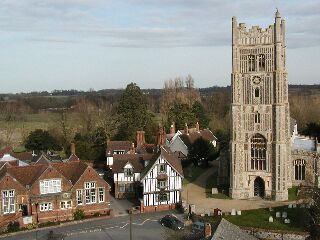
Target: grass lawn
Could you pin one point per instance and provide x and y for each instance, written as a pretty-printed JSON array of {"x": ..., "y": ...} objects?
[
  {"x": 259, "y": 218},
  {"x": 212, "y": 183},
  {"x": 191, "y": 173}
]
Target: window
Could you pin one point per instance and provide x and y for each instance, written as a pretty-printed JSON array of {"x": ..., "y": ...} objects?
[
  {"x": 101, "y": 194},
  {"x": 262, "y": 62},
  {"x": 90, "y": 192},
  {"x": 8, "y": 201},
  {"x": 118, "y": 152},
  {"x": 162, "y": 197},
  {"x": 299, "y": 169},
  {"x": 128, "y": 172},
  {"x": 65, "y": 204},
  {"x": 258, "y": 152},
  {"x": 80, "y": 197},
  {"x": 44, "y": 207},
  {"x": 256, "y": 92},
  {"x": 252, "y": 64},
  {"x": 50, "y": 186},
  {"x": 122, "y": 187},
  {"x": 130, "y": 187},
  {"x": 162, "y": 168},
  {"x": 162, "y": 184},
  {"x": 257, "y": 117}
]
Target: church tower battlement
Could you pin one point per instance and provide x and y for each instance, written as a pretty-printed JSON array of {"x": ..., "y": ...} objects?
[{"x": 260, "y": 132}]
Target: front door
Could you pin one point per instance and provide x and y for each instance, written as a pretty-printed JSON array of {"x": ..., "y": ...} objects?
[{"x": 259, "y": 187}]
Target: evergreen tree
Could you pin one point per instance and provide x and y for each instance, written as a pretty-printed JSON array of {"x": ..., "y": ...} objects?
[
  {"x": 181, "y": 114},
  {"x": 200, "y": 114},
  {"x": 41, "y": 140},
  {"x": 133, "y": 114}
]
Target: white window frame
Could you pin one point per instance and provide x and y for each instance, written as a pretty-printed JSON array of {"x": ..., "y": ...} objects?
[
  {"x": 45, "y": 207},
  {"x": 163, "y": 194},
  {"x": 101, "y": 194},
  {"x": 164, "y": 166},
  {"x": 64, "y": 205},
  {"x": 79, "y": 196},
  {"x": 48, "y": 186},
  {"x": 162, "y": 183},
  {"x": 128, "y": 172},
  {"x": 90, "y": 192},
  {"x": 8, "y": 201}
]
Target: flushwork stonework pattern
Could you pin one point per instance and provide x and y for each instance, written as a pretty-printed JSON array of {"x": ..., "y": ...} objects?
[{"x": 260, "y": 133}]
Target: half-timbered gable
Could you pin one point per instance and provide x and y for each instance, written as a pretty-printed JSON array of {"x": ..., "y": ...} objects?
[
  {"x": 126, "y": 173},
  {"x": 162, "y": 182}
]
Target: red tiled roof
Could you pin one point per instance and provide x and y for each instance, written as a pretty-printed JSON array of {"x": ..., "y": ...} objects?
[
  {"x": 189, "y": 139},
  {"x": 27, "y": 175},
  {"x": 118, "y": 145},
  {"x": 71, "y": 170},
  {"x": 18, "y": 155},
  {"x": 137, "y": 161}
]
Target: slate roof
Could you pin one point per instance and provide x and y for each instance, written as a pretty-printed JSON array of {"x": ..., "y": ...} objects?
[
  {"x": 227, "y": 230},
  {"x": 136, "y": 160},
  {"x": 189, "y": 139},
  {"x": 118, "y": 145}
]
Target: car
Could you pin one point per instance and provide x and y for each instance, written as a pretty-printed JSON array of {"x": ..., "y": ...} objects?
[
  {"x": 197, "y": 227},
  {"x": 172, "y": 222}
]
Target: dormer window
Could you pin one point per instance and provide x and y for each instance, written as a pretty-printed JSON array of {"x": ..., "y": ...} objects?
[
  {"x": 50, "y": 186},
  {"x": 128, "y": 172}
]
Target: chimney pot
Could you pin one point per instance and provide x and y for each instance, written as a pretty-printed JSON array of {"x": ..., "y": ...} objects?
[{"x": 73, "y": 149}]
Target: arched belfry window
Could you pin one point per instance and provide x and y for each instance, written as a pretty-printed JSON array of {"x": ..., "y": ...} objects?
[
  {"x": 251, "y": 63},
  {"x": 262, "y": 62},
  {"x": 299, "y": 169},
  {"x": 258, "y": 152},
  {"x": 257, "y": 92},
  {"x": 257, "y": 118}
]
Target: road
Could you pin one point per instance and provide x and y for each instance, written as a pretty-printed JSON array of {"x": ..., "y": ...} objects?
[{"x": 144, "y": 226}]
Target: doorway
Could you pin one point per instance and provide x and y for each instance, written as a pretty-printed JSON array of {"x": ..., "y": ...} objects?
[{"x": 259, "y": 187}]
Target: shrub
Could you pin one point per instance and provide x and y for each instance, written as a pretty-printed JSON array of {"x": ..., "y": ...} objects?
[
  {"x": 13, "y": 227},
  {"x": 97, "y": 214},
  {"x": 78, "y": 215}
]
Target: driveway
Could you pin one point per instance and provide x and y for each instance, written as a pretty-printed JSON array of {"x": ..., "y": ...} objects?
[{"x": 195, "y": 193}]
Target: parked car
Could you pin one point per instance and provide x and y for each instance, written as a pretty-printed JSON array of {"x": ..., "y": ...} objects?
[
  {"x": 197, "y": 227},
  {"x": 172, "y": 222}
]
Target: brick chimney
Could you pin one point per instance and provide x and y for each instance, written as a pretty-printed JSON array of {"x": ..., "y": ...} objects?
[
  {"x": 161, "y": 139},
  {"x": 172, "y": 129},
  {"x": 132, "y": 149},
  {"x": 140, "y": 139},
  {"x": 73, "y": 149},
  {"x": 186, "y": 130},
  {"x": 197, "y": 127}
]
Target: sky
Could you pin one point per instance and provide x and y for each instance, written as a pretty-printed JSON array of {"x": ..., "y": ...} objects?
[{"x": 101, "y": 44}]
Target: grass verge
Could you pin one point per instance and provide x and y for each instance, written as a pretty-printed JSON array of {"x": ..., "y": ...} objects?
[{"x": 259, "y": 218}]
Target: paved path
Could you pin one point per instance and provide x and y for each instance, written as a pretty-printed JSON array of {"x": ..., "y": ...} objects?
[{"x": 195, "y": 193}]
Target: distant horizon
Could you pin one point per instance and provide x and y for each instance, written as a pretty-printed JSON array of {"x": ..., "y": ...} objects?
[
  {"x": 83, "y": 44},
  {"x": 123, "y": 88}
]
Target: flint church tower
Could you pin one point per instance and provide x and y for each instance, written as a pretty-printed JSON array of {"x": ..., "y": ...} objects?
[{"x": 260, "y": 130}]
